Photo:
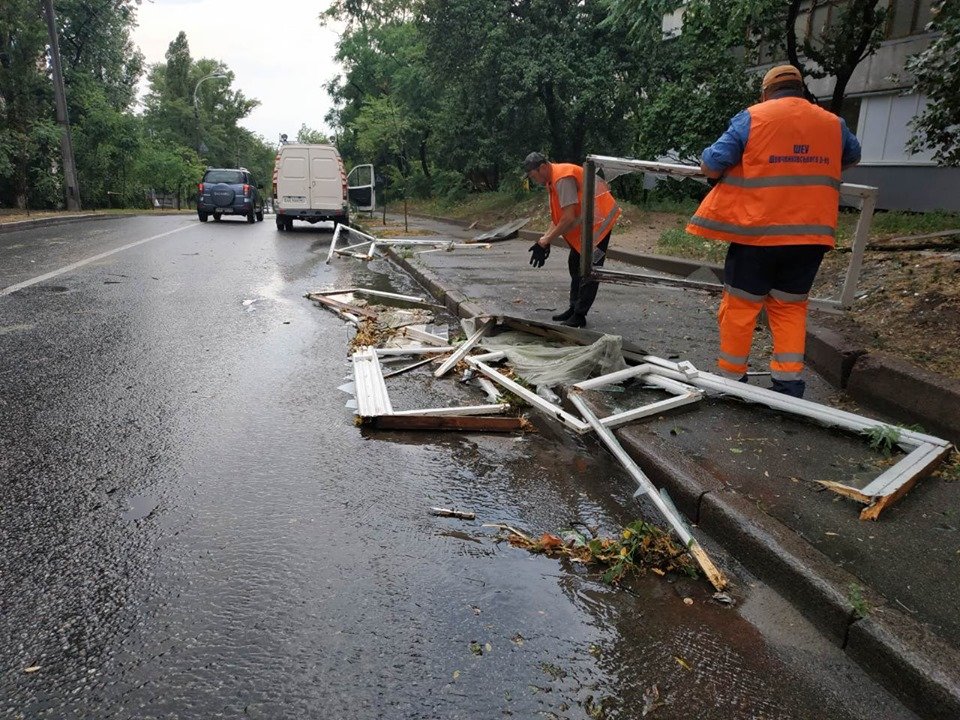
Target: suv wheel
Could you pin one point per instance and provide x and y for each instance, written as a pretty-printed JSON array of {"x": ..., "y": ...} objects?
[
  {"x": 260, "y": 216},
  {"x": 217, "y": 216},
  {"x": 202, "y": 216},
  {"x": 251, "y": 218}
]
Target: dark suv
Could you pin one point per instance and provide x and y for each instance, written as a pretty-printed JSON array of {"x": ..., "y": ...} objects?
[{"x": 229, "y": 191}]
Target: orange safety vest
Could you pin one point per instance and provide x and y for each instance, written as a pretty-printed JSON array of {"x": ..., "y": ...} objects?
[
  {"x": 605, "y": 209},
  {"x": 786, "y": 189}
]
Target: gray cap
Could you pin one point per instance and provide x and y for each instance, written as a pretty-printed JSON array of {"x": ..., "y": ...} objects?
[{"x": 533, "y": 161}]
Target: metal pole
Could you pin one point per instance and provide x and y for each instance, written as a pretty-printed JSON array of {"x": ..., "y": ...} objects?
[
  {"x": 860, "y": 238},
  {"x": 196, "y": 105},
  {"x": 586, "y": 213},
  {"x": 60, "y": 97}
]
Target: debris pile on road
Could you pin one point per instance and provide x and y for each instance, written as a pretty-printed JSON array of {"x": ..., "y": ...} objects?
[
  {"x": 640, "y": 547},
  {"x": 365, "y": 247},
  {"x": 489, "y": 343}
]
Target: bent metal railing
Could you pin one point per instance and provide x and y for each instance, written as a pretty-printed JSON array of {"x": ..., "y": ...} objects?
[{"x": 614, "y": 167}]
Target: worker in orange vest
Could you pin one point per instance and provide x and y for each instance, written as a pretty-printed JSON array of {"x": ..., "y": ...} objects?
[
  {"x": 564, "y": 183},
  {"x": 775, "y": 201}
]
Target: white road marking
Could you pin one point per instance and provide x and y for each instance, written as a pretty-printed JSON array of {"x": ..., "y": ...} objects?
[{"x": 73, "y": 266}]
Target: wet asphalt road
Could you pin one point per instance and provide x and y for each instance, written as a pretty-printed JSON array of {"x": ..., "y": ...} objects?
[{"x": 192, "y": 527}]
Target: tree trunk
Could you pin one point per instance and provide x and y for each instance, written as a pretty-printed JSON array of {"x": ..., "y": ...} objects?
[
  {"x": 423, "y": 155},
  {"x": 793, "y": 11}
]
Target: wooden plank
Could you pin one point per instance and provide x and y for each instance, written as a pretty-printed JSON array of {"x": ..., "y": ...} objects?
[{"x": 464, "y": 423}]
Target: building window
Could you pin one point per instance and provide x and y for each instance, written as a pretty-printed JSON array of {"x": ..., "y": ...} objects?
[
  {"x": 884, "y": 130},
  {"x": 908, "y": 17}
]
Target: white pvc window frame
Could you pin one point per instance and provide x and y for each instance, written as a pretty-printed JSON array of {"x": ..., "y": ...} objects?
[{"x": 615, "y": 166}]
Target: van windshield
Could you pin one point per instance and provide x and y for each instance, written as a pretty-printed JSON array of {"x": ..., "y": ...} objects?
[{"x": 224, "y": 176}]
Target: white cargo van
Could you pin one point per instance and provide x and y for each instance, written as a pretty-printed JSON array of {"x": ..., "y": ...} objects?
[{"x": 310, "y": 184}]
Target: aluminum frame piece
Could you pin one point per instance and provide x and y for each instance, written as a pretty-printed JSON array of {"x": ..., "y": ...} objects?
[
  {"x": 646, "y": 487},
  {"x": 683, "y": 394},
  {"x": 615, "y": 166},
  {"x": 465, "y": 347},
  {"x": 370, "y": 390},
  {"x": 372, "y": 243},
  {"x": 373, "y": 399},
  {"x": 545, "y": 406},
  {"x": 924, "y": 452}
]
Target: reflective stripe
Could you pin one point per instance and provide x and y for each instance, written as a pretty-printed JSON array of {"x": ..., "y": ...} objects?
[
  {"x": 788, "y": 297},
  {"x": 763, "y": 229},
  {"x": 730, "y": 374},
  {"x": 733, "y": 359},
  {"x": 788, "y": 357},
  {"x": 782, "y": 181},
  {"x": 606, "y": 224},
  {"x": 780, "y": 375},
  {"x": 743, "y": 294}
]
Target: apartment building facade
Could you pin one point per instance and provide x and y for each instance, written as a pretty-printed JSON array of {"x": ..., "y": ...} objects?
[{"x": 880, "y": 106}]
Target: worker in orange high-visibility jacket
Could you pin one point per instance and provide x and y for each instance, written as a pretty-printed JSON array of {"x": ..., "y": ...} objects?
[
  {"x": 776, "y": 200},
  {"x": 564, "y": 183}
]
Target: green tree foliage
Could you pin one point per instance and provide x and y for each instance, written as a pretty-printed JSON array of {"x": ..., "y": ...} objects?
[
  {"x": 853, "y": 34},
  {"x": 470, "y": 87},
  {"x": 310, "y": 136},
  {"x": 118, "y": 153},
  {"x": 937, "y": 73},
  {"x": 188, "y": 109},
  {"x": 26, "y": 103}
]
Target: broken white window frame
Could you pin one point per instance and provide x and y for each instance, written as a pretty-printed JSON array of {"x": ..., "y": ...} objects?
[
  {"x": 615, "y": 166},
  {"x": 924, "y": 452},
  {"x": 683, "y": 394},
  {"x": 373, "y": 397},
  {"x": 374, "y": 241}
]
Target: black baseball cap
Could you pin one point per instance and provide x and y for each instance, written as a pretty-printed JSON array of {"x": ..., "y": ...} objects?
[{"x": 533, "y": 161}]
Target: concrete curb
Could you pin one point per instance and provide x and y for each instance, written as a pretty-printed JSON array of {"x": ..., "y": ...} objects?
[
  {"x": 905, "y": 657},
  {"x": 53, "y": 220},
  {"x": 906, "y": 391}
]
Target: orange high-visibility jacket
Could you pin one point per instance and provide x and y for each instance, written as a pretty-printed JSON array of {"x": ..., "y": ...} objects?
[
  {"x": 786, "y": 189},
  {"x": 605, "y": 210}
]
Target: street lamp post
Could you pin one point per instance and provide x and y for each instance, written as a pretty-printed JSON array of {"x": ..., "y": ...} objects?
[{"x": 196, "y": 105}]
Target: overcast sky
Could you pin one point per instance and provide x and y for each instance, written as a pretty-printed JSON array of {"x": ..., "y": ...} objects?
[{"x": 277, "y": 49}]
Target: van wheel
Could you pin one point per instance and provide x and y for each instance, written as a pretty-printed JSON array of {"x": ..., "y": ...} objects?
[
  {"x": 202, "y": 216},
  {"x": 289, "y": 223},
  {"x": 281, "y": 225}
]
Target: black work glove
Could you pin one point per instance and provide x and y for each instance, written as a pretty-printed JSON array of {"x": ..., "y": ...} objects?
[{"x": 539, "y": 254}]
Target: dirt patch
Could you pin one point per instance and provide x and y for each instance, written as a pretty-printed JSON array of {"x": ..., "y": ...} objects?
[{"x": 907, "y": 305}]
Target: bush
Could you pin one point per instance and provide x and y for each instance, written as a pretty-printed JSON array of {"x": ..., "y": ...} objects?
[
  {"x": 449, "y": 186},
  {"x": 680, "y": 243}
]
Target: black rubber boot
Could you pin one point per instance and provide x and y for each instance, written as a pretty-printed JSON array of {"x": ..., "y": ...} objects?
[
  {"x": 575, "y": 320},
  {"x": 565, "y": 315},
  {"x": 793, "y": 388}
]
